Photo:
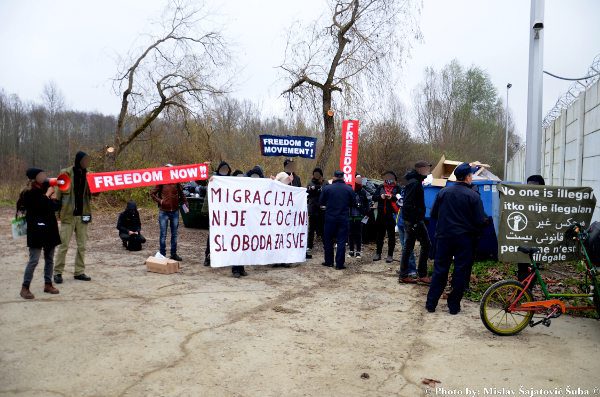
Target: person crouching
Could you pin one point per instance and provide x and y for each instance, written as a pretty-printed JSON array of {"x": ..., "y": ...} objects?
[{"x": 130, "y": 228}]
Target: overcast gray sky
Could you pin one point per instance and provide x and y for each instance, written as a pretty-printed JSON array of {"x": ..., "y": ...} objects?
[{"x": 76, "y": 43}]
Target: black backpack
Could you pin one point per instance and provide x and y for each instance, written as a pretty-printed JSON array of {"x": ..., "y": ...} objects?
[
  {"x": 134, "y": 243},
  {"x": 592, "y": 245}
]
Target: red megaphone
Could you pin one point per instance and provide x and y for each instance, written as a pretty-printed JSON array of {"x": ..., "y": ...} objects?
[{"x": 62, "y": 181}]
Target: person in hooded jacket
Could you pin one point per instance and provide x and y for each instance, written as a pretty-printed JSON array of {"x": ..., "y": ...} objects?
[
  {"x": 413, "y": 214},
  {"x": 130, "y": 226},
  {"x": 386, "y": 196},
  {"x": 75, "y": 216},
  {"x": 224, "y": 169},
  {"x": 38, "y": 202},
  {"x": 357, "y": 213},
  {"x": 315, "y": 214}
]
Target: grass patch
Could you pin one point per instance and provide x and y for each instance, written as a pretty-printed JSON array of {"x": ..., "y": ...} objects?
[{"x": 568, "y": 277}]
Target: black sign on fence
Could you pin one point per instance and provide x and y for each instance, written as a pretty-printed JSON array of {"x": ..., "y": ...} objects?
[{"x": 538, "y": 216}]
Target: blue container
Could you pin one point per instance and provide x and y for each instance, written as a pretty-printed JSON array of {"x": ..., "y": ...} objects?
[{"x": 488, "y": 190}]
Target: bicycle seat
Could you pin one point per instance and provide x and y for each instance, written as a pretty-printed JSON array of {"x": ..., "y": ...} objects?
[{"x": 528, "y": 250}]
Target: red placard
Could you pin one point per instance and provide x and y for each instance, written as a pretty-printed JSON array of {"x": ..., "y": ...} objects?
[
  {"x": 349, "y": 154},
  {"x": 117, "y": 180}
]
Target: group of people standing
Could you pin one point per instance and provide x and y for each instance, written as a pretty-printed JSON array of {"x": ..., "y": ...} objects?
[
  {"x": 458, "y": 211},
  {"x": 336, "y": 211}
]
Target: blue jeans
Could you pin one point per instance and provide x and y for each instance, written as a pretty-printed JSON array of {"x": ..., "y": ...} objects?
[
  {"x": 412, "y": 263},
  {"x": 163, "y": 218}
]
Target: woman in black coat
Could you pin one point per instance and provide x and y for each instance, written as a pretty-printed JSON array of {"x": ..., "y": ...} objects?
[{"x": 37, "y": 201}]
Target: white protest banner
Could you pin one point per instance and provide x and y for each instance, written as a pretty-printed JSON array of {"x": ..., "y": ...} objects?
[{"x": 256, "y": 222}]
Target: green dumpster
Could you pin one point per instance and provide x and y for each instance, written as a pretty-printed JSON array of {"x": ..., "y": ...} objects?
[{"x": 197, "y": 217}]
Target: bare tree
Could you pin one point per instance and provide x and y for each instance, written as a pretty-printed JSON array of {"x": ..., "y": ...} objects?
[
  {"x": 352, "y": 52},
  {"x": 175, "y": 75}
]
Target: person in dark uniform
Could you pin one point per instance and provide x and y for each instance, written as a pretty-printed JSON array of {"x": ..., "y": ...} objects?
[
  {"x": 386, "y": 196},
  {"x": 523, "y": 268},
  {"x": 413, "y": 214},
  {"x": 289, "y": 167},
  {"x": 315, "y": 215},
  {"x": 460, "y": 219},
  {"x": 337, "y": 199}
]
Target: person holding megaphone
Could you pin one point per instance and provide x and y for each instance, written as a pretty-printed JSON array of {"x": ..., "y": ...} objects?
[
  {"x": 38, "y": 202},
  {"x": 75, "y": 215}
]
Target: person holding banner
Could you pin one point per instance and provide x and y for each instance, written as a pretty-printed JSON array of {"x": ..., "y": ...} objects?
[
  {"x": 413, "y": 212},
  {"x": 169, "y": 198},
  {"x": 224, "y": 169},
  {"x": 386, "y": 196},
  {"x": 458, "y": 210},
  {"x": 75, "y": 215},
  {"x": 337, "y": 199},
  {"x": 315, "y": 215},
  {"x": 39, "y": 204},
  {"x": 523, "y": 268},
  {"x": 290, "y": 168}
]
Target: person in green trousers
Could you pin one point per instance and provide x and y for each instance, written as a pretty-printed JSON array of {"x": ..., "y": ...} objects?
[{"x": 75, "y": 215}]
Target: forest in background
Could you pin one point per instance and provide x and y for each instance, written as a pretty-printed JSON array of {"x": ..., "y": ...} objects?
[{"x": 457, "y": 113}]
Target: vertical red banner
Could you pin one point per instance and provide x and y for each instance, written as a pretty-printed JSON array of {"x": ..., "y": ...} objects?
[{"x": 349, "y": 155}]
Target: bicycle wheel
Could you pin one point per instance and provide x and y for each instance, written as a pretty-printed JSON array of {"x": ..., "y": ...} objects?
[{"x": 493, "y": 308}]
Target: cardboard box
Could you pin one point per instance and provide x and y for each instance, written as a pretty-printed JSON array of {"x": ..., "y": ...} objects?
[
  {"x": 162, "y": 266},
  {"x": 444, "y": 172}
]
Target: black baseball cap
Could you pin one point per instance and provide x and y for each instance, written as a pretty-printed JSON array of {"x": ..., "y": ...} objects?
[{"x": 338, "y": 174}]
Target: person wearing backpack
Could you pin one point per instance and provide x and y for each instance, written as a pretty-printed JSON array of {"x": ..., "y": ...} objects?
[
  {"x": 130, "y": 228},
  {"x": 39, "y": 203},
  {"x": 168, "y": 197}
]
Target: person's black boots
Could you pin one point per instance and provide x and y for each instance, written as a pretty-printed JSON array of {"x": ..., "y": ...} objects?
[{"x": 58, "y": 278}]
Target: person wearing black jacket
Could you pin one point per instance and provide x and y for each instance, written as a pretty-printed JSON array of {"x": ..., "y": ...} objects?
[
  {"x": 523, "y": 268},
  {"x": 460, "y": 219},
  {"x": 413, "y": 214},
  {"x": 130, "y": 226},
  {"x": 315, "y": 215},
  {"x": 224, "y": 169},
  {"x": 357, "y": 213},
  {"x": 39, "y": 204},
  {"x": 386, "y": 196},
  {"x": 337, "y": 199}
]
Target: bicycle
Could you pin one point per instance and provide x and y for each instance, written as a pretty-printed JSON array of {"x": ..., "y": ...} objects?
[{"x": 507, "y": 307}]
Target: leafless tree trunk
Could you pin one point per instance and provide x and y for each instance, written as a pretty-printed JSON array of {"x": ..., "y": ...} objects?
[
  {"x": 175, "y": 75},
  {"x": 352, "y": 54}
]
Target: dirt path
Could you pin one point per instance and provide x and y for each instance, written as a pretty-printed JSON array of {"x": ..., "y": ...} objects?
[{"x": 301, "y": 331}]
